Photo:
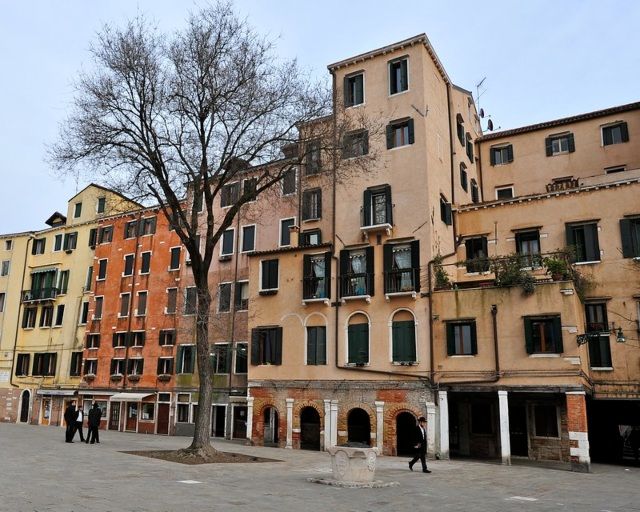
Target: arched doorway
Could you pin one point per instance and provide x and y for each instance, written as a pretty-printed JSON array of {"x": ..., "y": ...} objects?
[
  {"x": 309, "y": 429},
  {"x": 358, "y": 427},
  {"x": 271, "y": 426},
  {"x": 24, "y": 406},
  {"x": 405, "y": 434}
]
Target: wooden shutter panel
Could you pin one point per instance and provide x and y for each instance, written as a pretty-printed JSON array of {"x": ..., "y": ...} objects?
[
  {"x": 344, "y": 269},
  {"x": 389, "y": 204},
  {"x": 387, "y": 262},
  {"x": 396, "y": 335},
  {"x": 365, "y": 143},
  {"x": 607, "y": 136},
  {"x": 557, "y": 334},
  {"x": 592, "y": 249},
  {"x": 451, "y": 341},
  {"x": 485, "y": 249},
  {"x": 312, "y": 345},
  {"x": 319, "y": 204},
  {"x": 411, "y": 132},
  {"x": 492, "y": 156},
  {"x": 404, "y": 75},
  {"x": 92, "y": 237},
  {"x": 570, "y": 235},
  {"x": 389, "y": 136},
  {"x": 474, "y": 339},
  {"x": 448, "y": 216},
  {"x": 327, "y": 275},
  {"x": 306, "y": 265},
  {"x": 627, "y": 239},
  {"x": 571, "y": 142},
  {"x": 255, "y": 347},
  {"x": 278, "y": 346},
  {"x": 415, "y": 264},
  {"x": 321, "y": 342},
  {"x": 548, "y": 146},
  {"x": 366, "y": 208},
  {"x": 370, "y": 270},
  {"x": 510, "y": 153},
  {"x": 114, "y": 339},
  {"x": 143, "y": 337},
  {"x": 305, "y": 206},
  {"x": 352, "y": 342},
  {"x": 345, "y": 91},
  {"x": 528, "y": 335},
  {"x": 624, "y": 131}
]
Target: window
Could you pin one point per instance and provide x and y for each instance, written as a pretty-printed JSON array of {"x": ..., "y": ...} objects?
[
  {"x": 145, "y": 264},
  {"x": 312, "y": 204},
  {"x": 461, "y": 338},
  {"x": 402, "y": 267},
  {"x": 89, "y": 279},
  {"x": 400, "y": 133},
  {"x": 630, "y": 234},
  {"x": 460, "y": 129},
  {"x": 172, "y": 296},
  {"x": 105, "y": 235},
  {"x": 224, "y": 297},
  {"x": 475, "y": 192},
  {"x": 8, "y": 244},
  {"x": 469, "y": 148},
  {"x": 174, "y": 263},
  {"x": 221, "y": 358},
  {"x": 615, "y": 134},
  {"x": 241, "y": 357},
  {"x": 583, "y": 238},
  {"x": 614, "y": 169},
  {"x": 93, "y": 340},
  {"x": 63, "y": 282},
  {"x": 38, "y": 246},
  {"x": 500, "y": 155},
  {"x": 57, "y": 242},
  {"x": 545, "y": 420},
  {"x": 167, "y": 337},
  {"x": 59, "y": 315},
  {"x": 403, "y": 334},
  {"x": 119, "y": 339},
  {"x": 182, "y": 408},
  {"x": 148, "y": 411},
  {"x": 355, "y": 144},
  {"x": 100, "y": 206},
  {"x": 4, "y": 270},
  {"x": 358, "y": 341},
  {"x": 445, "y": 211},
  {"x": 190, "y": 300},
  {"x": 311, "y": 237},
  {"x": 29, "y": 317},
  {"x": 226, "y": 249},
  {"x": 186, "y": 359},
  {"x": 398, "y": 75},
  {"x": 250, "y": 186},
  {"x": 22, "y": 365},
  {"x": 248, "y": 238},
  {"x": 148, "y": 226},
  {"x": 165, "y": 365},
  {"x": 313, "y": 158},
  {"x": 285, "y": 231},
  {"x": 377, "y": 206},
  {"x": 2, "y": 299},
  {"x": 97, "y": 312},
  {"x": 559, "y": 144},
  {"x": 90, "y": 366},
  {"x": 316, "y": 276},
  {"x": 543, "y": 335},
  {"x": 70, "y": 241},
  {"x": 44, "y": 364},
  {"x": 230, "y": 194},
  {"x": 77, "y": 210},
  {"x": 135, "y": 366},
  {"x": 93, "y": 236},
  {"x": 137, "y": 338},
  {"x": 128, "y": 265},
  {"x": 528, "y": 248},
  {"x": 269, "y": 275},
  {"x": 117, "y": 366},
  {"x": 84, "y": 313},
  {"x": 316, "y": 345},
  {"x": 198, "y": 201},
  {"x": 242, "y": 296},
  {"x": 354, "y": 90},
  {"x": 124, "y": 305},
  {"x": 266, "y": 345},
  {"x": 356, "y": 272},
  {"x": 463, "y": 177},
  {"x": 102, "y": 270},
  {"x": 142, "y": 304},
  {"x": 504, "y": 192},
  {"x": 477, "y": 255},
  {"x": 46, "y": 315},
  {"x": 131, "y": 229},
  {"x": 289, "y": 182},
  {"x": 75, "y": 367},
  {"x": 598, "y": 325}
]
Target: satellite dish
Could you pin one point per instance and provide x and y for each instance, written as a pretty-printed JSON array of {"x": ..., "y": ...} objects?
[
  {"x": 490, "y": 125},
  {"x": 481, "y": 112}
]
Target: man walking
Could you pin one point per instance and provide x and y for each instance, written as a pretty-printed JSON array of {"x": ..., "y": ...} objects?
[
  {"x": 70, "y": 415},
  {"x": 94, "y": 423},
  {"x": 421, "y": 445},
  {"x": 79, "y": 421}
]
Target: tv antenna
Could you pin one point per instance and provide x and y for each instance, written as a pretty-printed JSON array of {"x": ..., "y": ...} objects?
[{"x": 481, "y": 114}]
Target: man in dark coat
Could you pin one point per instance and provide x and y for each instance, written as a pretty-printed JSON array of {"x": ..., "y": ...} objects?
[
  {"x": 70, "y": 415},
  {"x": 95, "y": 414},
  {"x": 421, "y": 445}
]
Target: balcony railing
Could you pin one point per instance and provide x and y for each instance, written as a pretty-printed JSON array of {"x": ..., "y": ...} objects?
[
  {"x": 314, "y": 288},
  {"x": 39, "y": 294},
  {"x": 355, "y": 285},
  {"x": 557, "y": 186},
  {"x": 401, "y": 280}
]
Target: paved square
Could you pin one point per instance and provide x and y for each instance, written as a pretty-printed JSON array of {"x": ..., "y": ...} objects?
[{"x": 40, "y": 472}]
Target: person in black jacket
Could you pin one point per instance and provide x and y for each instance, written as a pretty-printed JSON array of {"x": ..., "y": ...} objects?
[
  {"x": 70, "y": 415},
  {"x": 95, "y": 414},
  {"x": 421, "y": 445}
]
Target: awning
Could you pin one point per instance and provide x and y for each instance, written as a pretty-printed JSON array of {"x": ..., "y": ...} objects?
[
  {"x": 57, "y": 392},
  {"x": 129, "y": 397},
  {"x": 42, "y": 270}
]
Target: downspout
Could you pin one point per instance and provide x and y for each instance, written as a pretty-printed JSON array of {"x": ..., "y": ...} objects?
[
  {"x": 451, "y": 153},
  {"x": 479, "y": 169},
  {"x": 494, "y": 319},
  {"x": 131, "y": 297}
]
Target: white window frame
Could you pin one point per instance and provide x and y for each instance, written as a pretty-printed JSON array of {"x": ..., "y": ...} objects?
[
  {"x": 233, "y": 243},
  {"x": 166, "y": 311},
  {"x": 509, "y": 187},
  {"x": 364, "y": 87},
  {"x": 141, "y": 222},
  {"x": 185, "y": 302},
  {"x": 146, "y": 303},
  {"x": 169, "y": 269},
  {"x": 98, "y": 203},
  {"x": 346, "y": 337},
  {"x": 230, "y": 283},
  {"x": 165, "y": 358},
  {"x": 140, "y": 272},
  {"x": 499, "y": 147},
  {"x": 120, "y": 305},
  {"x": 75, "y": 209},
  {"x": 260, "y": 275},
  {"x": 247, "y": 282},
  {"x": 230, "y": 355},
  {"x": 295, "y": 180},
  {"x": 240, "y": 184},
  {"x": 106, "y": 268},
  {"x": 242, "y": 189},
  {"x": 93, "y": 361},
  {"x": 235, "y": 351},
  {"x": 5, "y": 264},
  {"x": 404, "y": 57},
  {"x": 194, "y": 364},
  {"x": 124, "y": 369},
  {"x": 609, "y": 125},
  {"x": 133, "y": 264},
  {"x": 55, "y": 237},
  {"x": 255, "y": 236},
  {"x": 415, "y": 337},
  {"x": 280, "y": 231}
]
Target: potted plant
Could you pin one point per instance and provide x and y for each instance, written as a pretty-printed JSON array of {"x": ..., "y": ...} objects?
[
  {"x": 557, "y": 266},
  {"x": 442, "y": 281}
]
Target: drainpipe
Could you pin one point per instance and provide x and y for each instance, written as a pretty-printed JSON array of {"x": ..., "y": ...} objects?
[
  {"x": 494, "y": 319},
  {"x": 451, "y": 153}
]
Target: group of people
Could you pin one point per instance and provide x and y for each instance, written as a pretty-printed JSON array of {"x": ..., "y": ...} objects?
[{"x": 74, "y": 418}]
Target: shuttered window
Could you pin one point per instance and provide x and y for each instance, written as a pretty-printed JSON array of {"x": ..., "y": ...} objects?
[
  {"x": 186, "y": 359},
  {"x": 398, "y": 76},
  {"x": 353, "y": 90},
  {"x": 543, "y": 335},
  {"x": 630, "y": 234},
  {"x": 403, "y": 341},
  {"x": 400, "y": 133},
  {"x": 615, "y": 134},
  {"x": 461, "y": 338},
  {"x": 358, "y": 340},
  {"x": 269, "y": 279},
  {"x": 559, "y": 144},
  {"x": 312, "y": 204},
  {"x": 477, "y": 255},
  {"x": 583, "y": 239},
  {"x": 501, "y": 155},
  {"x": 355, "y": 144},
  {"x": 266, "y": 345},
  {"x": 316, "y": 345}
]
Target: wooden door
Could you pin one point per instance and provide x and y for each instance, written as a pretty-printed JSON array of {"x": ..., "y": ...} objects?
[
  {"x": 114, "y": 418},
  {"x": 163, "y": 419},
  {"x": 132, "y": 417},
  {"x": 45, "y": 417},
  {"x": 239, "y": 422}
]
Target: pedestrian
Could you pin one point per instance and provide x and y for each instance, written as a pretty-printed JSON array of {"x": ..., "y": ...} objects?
[
  {"x": 79, "y": 421},
  {"x": 95, "y": 414},
  {"x": 421, "y": 445},
  {"x": 70, "y": 415}
]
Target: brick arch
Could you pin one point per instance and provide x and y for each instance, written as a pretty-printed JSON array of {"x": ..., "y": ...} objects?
[
  {"x": 345, "y": 409},
  {"x": 297, "y": 410},
  {"x": 390, "y": 415},
  {"x": 257, "y": 425}
]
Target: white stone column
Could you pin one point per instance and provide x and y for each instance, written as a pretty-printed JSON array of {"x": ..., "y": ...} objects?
[
  {"x": 505, "y": 441},
  {"x": 249, "y": 418},
  {"x": 443, "y": 405},
  {"x": 334, "y": 422},
  {"x": 431, "y": 429},
  {"x": 379, "y": 426},
  {"x": 289, "y": 423},
  {"x": 327, "y": 424}
]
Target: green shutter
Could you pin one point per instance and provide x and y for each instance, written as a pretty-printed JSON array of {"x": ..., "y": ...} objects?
[
  {"x": 404, "y": 75},
  {"x": 548, "y": 146},
  {"x": 358, "y": 343},
  {"x": 415, "y": 264},
  {"x": 572, "y": 143},
  {"x": 327, "y": 275},
  {"x": 345, "y": 90},
  {"x": 403, "y": 341},
  {"x": 570, "y": 235},
  {"x": 255, "y": 347},
  {"x": 474, "y": 338},
  {"x": 387, "y": 261},
  {"x": 278, "y": 346},
  {"x": 370, "y": 279},
  {"x": 411, "y": 132},
  {"x": 321, "y": 345},
  {"x": 528, "y": 335},
  {"x": 451, "y": 340},
  {"x": 388, "y": 204},
  {"x": 312, "y": 345},
  {"x": 366, "y": 206},
  {"x": 492, "y": 156},
  {"x": 557, "y": 334},
  {"x": 306, "y": 275},
  {"x": 592, "y": 249},
  {"x": 344, "y": 270},
  {"x": 624, "y": 131},
  {"x": 510, "y": 153},
  {"x": 180, "y": 358},
  {"x": 627, "y": 238},
  {"x": 389, "y": 136}
]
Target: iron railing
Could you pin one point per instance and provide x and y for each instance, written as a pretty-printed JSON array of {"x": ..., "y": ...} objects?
[
  {"x": 39, "y": 294},
  {"x": 401, "y": 280},
  {"x": 355, "y": 285}
]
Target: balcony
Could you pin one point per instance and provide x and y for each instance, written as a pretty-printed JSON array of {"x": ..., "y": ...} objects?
[
  {"x": 563, "y": 184},
  {"x": 40, "y": 294},
  {"x": 356, "y": 286},
  {"x": 314, "y": 289},
  {"x": 401, "y": 282}
]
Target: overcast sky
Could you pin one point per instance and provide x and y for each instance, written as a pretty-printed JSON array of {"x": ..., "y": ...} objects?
[{"x": 541, "y": 59}]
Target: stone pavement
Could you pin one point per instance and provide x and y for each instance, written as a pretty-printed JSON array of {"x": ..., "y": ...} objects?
[{"x": 40, "y": 472}]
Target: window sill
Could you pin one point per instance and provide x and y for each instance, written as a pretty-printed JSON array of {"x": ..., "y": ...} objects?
[
  {"x": 587, "y": 262},
  {"x": 357, "y": 365},
  {"x": 268, "y": 292},
  {"x": 399, "y": 93},
  {"x": 412, "y": 294},
  {"x": 325, "y": 300},
  {"x": 169, "y": 269},
  {"x": 602, "y": 368},
  {"x": 164, "y": 377},
  {"x": 386, "y": 227},
  {"x": 225, "y": 257},
  {"x": 93, "y": 348},
  {"x": 544, "y": 355},
  {"x": 404, "y": 363},
  {"x": 366, "y": 298},
  {"x": 316, "y": 219},
  {"x": 394, "y": 148},
  {"x": 462, "y": 356}
]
